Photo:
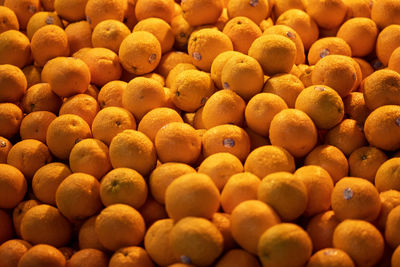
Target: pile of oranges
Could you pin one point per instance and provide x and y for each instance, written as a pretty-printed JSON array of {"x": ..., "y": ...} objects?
[{"x": 226, "y": 133}]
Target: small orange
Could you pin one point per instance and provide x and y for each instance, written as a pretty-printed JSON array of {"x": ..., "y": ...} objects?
[
  {"x": 40, "y": 97},
  {"x": 170, "y": 60},
  {"x": 389, "y": 200},
  {"x": 87, "y": 237},
  {"x": 6, "y": 232},
  {"x": 111, "y": 94},
  {"x": 100, "y": 10},
  {"x": 23, "y": 9},
  {"x": 327, "y": 46},
  {"x": 386, "y": 175},
  {"x": 385, "y": 12},
  {"x": 79, "y": 35},
  {"x": 40, "y": 19},
  {"x": 12, "y": 250},
  {"x": 19, "y": 213},
  {"x": 327, "y": 14},
  {"x": 255, "y": 10},
  {"x": 15, "y": 48},
  {"x": 355, "y": 107},
  {"x": 32, "y": 74},
  {"x": 13, "y": 83},
  {"x": 320, "y": 229},
  {"x": 72, "y": 10},
  {"x": 287, "y": 86},
  {"x": 237, "y": 257},
  {"x": 88, "y": 257},
  {"x": 395, "y": 260},
  {"x": 388, "y": 40},
  {"x": 10, "y": 119},
  {"x": 82, "y": 105},
  {"x": 223, "y": 223},
  {"x": 9, "y": 19},
  {"x": 163, "y": 9},
  {"x": 130, "y": 256},
  {"x": 5, "y": 146},
  {"x": 152, "y": 211},
  {"x": 330, "y": 257},
  {"x": 203, "y": 12},
  {"x": 218, "y": 65},
  {"x": 35, "y": 124},
  {"x": 42, "y": 255}
]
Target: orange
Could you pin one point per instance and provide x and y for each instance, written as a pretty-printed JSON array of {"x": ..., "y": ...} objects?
[
  {"x": 385, "y": 13},
  {"x": 177, "y": 142},
  {"x": 44, "y": 224},
  {"x": 181, "y": 30},
  {"x": 391, "y": 228},
  {"x": 152, "y": 211},
  {"x": 328, "y": 46},
  {"x": 180, "y": 67},
  {"x": 382, "y": 128},
  {"x": 90, "y": 156},
  {"x": 160, "y": 29},
  {"x": 366, "y": 68},
  {"x": 12, "y": 250},
  {"x": 192, "y": 194},
  {"x": 347, "y": 136},
  {"x": 365, "y": 161},
  {"x": 49, "y": 42},
  {"x": 133, "y": 149},
  {"x": 218, "y": 65},
  {"x": 389, "y": 200},
  {"x": 32, "y": 74},
  {"x": 203, "y": 12},
  {"x": 249, "y": 220},
  {"x": 103, "y": 63},
  {"x": 111, "y": 121},
  {"x": 275, "y": 53},
  {"x": 40, "y": 19},
  {"x": 223, "y": 107},
  {"x": 86, "y": 197},
  {"x": 281, "y": 6},
  {"x": 239, "y": 188},
  {"x": 331, "y": 159},
  {"x": 19, "y": 213},
  {"x": 302, "y": 23},
  {"x": 220, "y": 167},
  {"x": 205, "y": 45},
  {"x": 156, "y": 242},
  {"x": 47, "y": 179},
  {"x": 82, "y": 105},
  {"x": 223, "y": 223},
  {"x": 67, "y": 76},
  {"x": 163, "y": 176},
  {"x": 287, "y": 86},
  {"x": 14, "y": 186},
  {"x": 360, "y": 34},
  {"x": 355, "y": 107},
  {"x": 23, "y": 9},
  {"x": 35, "y": 124},
  {"x": 269, "y": 159},
  {"x": 28, "y": 156},
  {"x": 64, "y": 132},
  {"x": 170, "y": 60},
  {"x": 327, "y": 14},
  {"x": 293, "y": 130},
  {"x": 305, "y": 74},
  {"x": 196, "y": 240},
  {"x": 237, "y": 257},
  {"x": 394, "y": 61},
  {"x": 242, "y": 31},
  {"x": 88, "y": 257},
  {"x": 285, "y": 193},
  {"x": 330, "y": 257},
  {"x": 355, "y": 198},
  {"x": 243, "y": 75},
  {"x": 226, "y": 138},
  {"x": 358, "y": 8},
  {"x": 119, "y": 226},
  {"x": 130, "y": 256},
  {"x": 260, "y": 111},
  {"x": 144, "y": 48},
  {"x": 155, "y": 119},
  {"x": 6, "y": 224},
  {"x": 97, "y": 11},
  {"x": 87, "y": 237},
  {"x": 322, "y": 104},
  {"x": 13, "y": 83},
  {"x": 255, "y": 10},
  {"x": 15, "y": 48},
  {"x": 320, "y": 229},
  {"x": 79, "y": 35},
  {"x": 10, "y": 119},
  {"x": 386, "y": 175},
  {"x": 382, "y": 88},
  {"x": 388, "y": 40},
  {"x": 5, "y": 146},
  {"x": 40, "y": 97},
  {"x": 111, "y": 94},
  {"x": 72, "y": 10},
  {"x": 395, "y": 260},
  {"x": 9, "y": 19},
  {"x": 42, "y": 255},
  {"x": 125, "y": 186},
  {"x": 360, "y": 240},
  {"x": 284, "y": 244},
  {"x": 163, "y": 9}
]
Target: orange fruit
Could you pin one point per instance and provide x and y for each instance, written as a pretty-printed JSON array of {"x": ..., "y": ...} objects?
[
  {"x": 73, "y": 10},
  {"x": 383, "y": 122},
  {"x": 12, "y": 250},
  {"x": 331, "y": 159},
  {"x": 86, "y": 197},
  {"x": 284, "y": 244},
  {"x": 196, "y": 240},
  {"x": 355, "y": 107},
  {"x": 237, "y": 257},
  {"x": 133, "y": 149},
  {"x": 90, "y": 156},
  {"x": 192, "y": 194},
  {"x": 385, "y": 13},
  {"x": 389, "y": 200},
  {"x": 358, "y": 8},
  {"x": 255, "y": 10},
  {"x": 130, "y": 256},
  {"x": 156, "y": 242},
  {"x": 87, "y": 237},
  {"x": 9, "y": 19},
  {"x": 15, "y": 48},
  {"x": 180, "y": 67},
  {"x": 119, "y": 226},
  {"x": 35, "y": 124},
  {"x": 249, "y": 220},
  {"x": 198, "y": 13},
  {"x": 32, "y": 74},
  {"x": 40, "y": 19},
  {"x": 327, "y": 14},
  {"x": 218, "y": 65},
  {"x": 163, "y": 9},
  {"x": 10, "y": 119},
  {"x": 293, "y": 130},
  {"x": 88, "y": 257},
  {"x": 366, "y": 68},
  {"x": 388, "y": 40},
  {"x": 144, "y": 48},
  {"x": 281, "y": 6},
  {"x": 64, "y": 132},
  {"x": 178, "y": 142},
  {"x": 13, "y": 186},
  {"x": 82, "y": 105},
  {"x": 355, "y": 198},
  {"x": 6, "y": 232},
  {"x": 13, "y": 83},
  {"x": 23, "y": 9},
  {"x": 287, "y": 86},
  {"x": 97, "y": 11},
  {"x": 5, "y": 146},
  {"x": 386, "y": 175},
  {"x": 19, "y": 213},
  {"x": 320, "y": 229},
  {"x": 327, "y": 46},
  {"x": 223, "y": 223},
  {"x": 170, "y": 60},
  {"x": 330, "y": 257},
  {"x": 111, "y": 93},
  {"x": 395, "y": 260},
  {"x": 360, "y": 240},
  {"x": 162, "y": 176},
  {"x": 125, "y": 186},
  {"x": 391, "y": 228},
  {"x": 42, "y": 255},
  {"x": 40, "y": 97},
  {"x": 44, "y": 224},
  {"x": 79, "y": 35},
  {"x": 152, "y": 211},
  {"x": 365, "y": 161},
  {"x": 181, "y": 30},
  {"x": 67, "y": 76},
  {"x": 111, "y": 121}
]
